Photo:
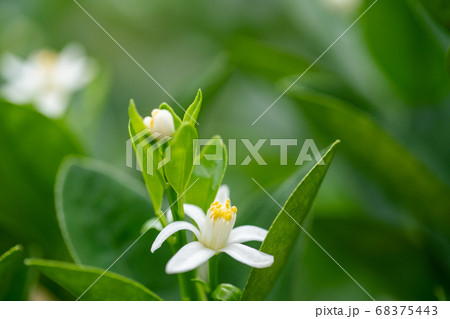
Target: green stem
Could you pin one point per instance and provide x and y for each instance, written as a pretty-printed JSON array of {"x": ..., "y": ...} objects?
[
  {"x": 189, "y": 289},
  {"x": 162, "y": 218},
  {"x": 213, "y": 272}
]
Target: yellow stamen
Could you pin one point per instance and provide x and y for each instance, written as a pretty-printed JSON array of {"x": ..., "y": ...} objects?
[{"x": 225, "y": 212}]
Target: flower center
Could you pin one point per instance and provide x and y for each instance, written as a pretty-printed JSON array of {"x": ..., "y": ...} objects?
[
  {"x": 219, "y": 211},
  {"x": 47, "y": 59}
]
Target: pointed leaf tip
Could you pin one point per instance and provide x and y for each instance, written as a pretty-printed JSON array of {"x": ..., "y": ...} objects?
[{"x": 193, "y": 110}]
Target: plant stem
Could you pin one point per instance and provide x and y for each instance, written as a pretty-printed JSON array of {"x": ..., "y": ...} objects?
[
  {"x": 213, "y": 272},
  {"x": 162, "y": 218},
  {"x": 189, "y": 289}
]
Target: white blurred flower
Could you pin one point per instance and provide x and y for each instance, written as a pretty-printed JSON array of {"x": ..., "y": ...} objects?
[
  {"x": 343, "y": 6},
  {"x": 161, "y": 122},
  {"x": 215, "y": 234},
  {"x": 46, "y": 79}
]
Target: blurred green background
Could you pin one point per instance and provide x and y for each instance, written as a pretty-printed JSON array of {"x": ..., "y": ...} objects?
[{"x": 383, "y": 211}]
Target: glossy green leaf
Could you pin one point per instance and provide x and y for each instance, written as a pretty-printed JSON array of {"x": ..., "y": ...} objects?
[
  {"x": 284, "y": 231},
  {"x": 101, "y": 211},
  {"x": 371, "y": 149},
  {"x": 208, "y": 172},
  {"x": 179, "y": 168},
  {"x": 176, "y": 118},
  {"x": 76, "y": 279},
  {"x": 13, "y": 274},
  {"x": 194, "y": 109},
  {"x": 148, "y": 155},
  {"x": 32, "y": 148},
  {"x": 226, "y": 292},
  {"x": 415, "y": 64}
]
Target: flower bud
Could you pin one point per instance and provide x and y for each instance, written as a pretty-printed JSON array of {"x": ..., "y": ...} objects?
[{"x": 161, "y": 122}]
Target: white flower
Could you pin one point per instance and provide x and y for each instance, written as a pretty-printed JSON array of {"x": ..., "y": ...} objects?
[
  {"x": 215, "y": 234},
  {"x": 161, "y": 122},
  {"x": 46, "y": 79}
]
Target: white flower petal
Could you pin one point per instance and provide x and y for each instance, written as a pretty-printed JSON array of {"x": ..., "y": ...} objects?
[
  {"x": 162, "y": 122},
  {"x": 170, "y": 229},
  {"x": 223, "y": 194},
  {"x": 248, "y": 255},
  {"x": 196, "y": 213},
  {"x": 242, "y": 234},
  {"x": 189, "y": 257},
  {"x": 147, "y": 122},
  {"x": 15, "y": 94},
  {"x": 73, "y": 69},
  {"x": 11, "y": 66},
  {"x": 52, "y": 103}
]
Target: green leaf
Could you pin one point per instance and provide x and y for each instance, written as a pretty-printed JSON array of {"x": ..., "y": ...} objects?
[
  {"x": 267, "y": 60},
  {"x": 32, "y": 148},
  {"x": 148, "y": 155},
  {"x": 226, "y": 292},
  {"x": 76, "y": 279},
  {"x": 135, "y": 118},
  {"x": 194, "y": 109},
  {"x": 447, "y": 61},
  {"x": 284, "y": 231},
  {"x": 357, "y": 243},
  {"x": 439, "y": 10},
  {"x": 415, "y": 64},
  {"x": 176, "y": 118},
  {"x": 101, "y": 211},
  {"x": 374, "y": 151},
  {"x": 13, "y": 274},
  {"x": 208, "y": 172},
  {"x": 179, "y": 168}
]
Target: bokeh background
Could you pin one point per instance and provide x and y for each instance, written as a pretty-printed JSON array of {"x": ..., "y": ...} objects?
[{"x": 383, "y": 211}]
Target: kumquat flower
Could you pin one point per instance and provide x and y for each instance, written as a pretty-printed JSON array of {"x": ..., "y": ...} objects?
[{"x": 215, "y": 234}]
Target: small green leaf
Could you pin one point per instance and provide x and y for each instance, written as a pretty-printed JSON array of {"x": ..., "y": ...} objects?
[
  {"x": 176, "y": 118},
  {"x": 101, "y": 211},
  {"x": 179, "y": 168},
  {"x": 209, "y": 170},
  {"x": 13, "y": 274},
  {"x": 226, "y": 292},
  {"x": 148, "y": 154},
  {"x": 194, "y": 109},
  {"x": 76, "y": 279},
  {"x": 284, "y": 231},
  {"x": 135, "y": 118}
]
